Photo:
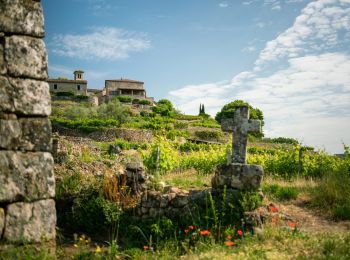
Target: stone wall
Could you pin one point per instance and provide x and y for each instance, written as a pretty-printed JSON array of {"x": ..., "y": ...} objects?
[{"x": 27, "y": 184}]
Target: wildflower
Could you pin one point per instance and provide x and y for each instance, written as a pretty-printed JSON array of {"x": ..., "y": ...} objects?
[
  {"x": 229, "y": 237},
  {"x": 146, "y": 247},
  {"x": 204, "y": 232},
  {"x": 98, "y": 249},
  {"x": 292, "y": 224},
  {"x": 273, "y": 208},
  {"x": 186, "y": 231},
  {"x": 229, "y": 243},
  {"x": 75, "y": 245},
  {"x": 240, "y": 232},
  {"x": 191, "y": 227}
]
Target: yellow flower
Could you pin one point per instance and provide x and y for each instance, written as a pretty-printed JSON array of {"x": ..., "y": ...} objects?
[
  {"x": 98, "y": 249},
  {"x": 75, "y": 245}
]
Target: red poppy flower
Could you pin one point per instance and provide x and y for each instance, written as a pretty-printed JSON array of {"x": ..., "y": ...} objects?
[
  {"x": 145, "y": 247},
  {"x": 292, "y": 224},
  {"x": 229, "y": 243},
  {"x": 186, "y": 231},
  {"x": 191, "y": 227},
  {"x": 204, "y": 232},
  {"x": 240, "y": 232},
  {"x": 272, "y": 208},
  {"x": 229, "y": 237}
]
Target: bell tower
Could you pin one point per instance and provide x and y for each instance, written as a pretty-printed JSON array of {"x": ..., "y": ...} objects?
[{"x": 78, "y": 75}]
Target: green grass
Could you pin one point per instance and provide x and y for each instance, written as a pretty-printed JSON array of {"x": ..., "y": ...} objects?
[{"x": 280, "y": 193}]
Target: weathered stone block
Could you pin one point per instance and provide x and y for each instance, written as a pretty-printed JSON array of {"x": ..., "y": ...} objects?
[
  {"x": 31, "y": 222},
  {"x": 25, "y": 96},
  {"x": 31, "y": 134},
  {"x": 26, "y": 57},
  {"x": 22, "y": 17},
  {"x": 27, "y": 176},
  {"x": 238, "y": 176},
  {"x": 2, "y": 221}
]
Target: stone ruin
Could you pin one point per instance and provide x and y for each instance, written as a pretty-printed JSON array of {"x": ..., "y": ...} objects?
[
  {"x": 27, "y": 183},
  {"x": 235, "y": 176}
]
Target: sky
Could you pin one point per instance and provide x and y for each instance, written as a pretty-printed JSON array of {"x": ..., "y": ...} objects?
[{"x": 289, "y": 58}]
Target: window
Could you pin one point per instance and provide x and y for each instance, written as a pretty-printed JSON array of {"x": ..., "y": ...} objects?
[
  {"x": 78, "y": 87},
  {"x": 113, "y": 93},
  {"x": 55, "y": 86}
]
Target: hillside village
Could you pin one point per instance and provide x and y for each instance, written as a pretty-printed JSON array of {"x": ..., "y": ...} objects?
[{"x": 113, "y": 88}]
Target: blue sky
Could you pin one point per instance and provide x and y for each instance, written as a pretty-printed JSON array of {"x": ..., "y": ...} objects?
[{"x": 290, "y": 58}]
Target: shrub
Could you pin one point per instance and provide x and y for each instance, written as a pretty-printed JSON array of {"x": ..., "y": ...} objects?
[
  {"x": 64, "y": 94},
  {"x": 208, "y": 135},
  {"x": 145, "y": 102},
  {"x": 82, "y": 97},
  {"x": 136, "y": 101},
  {"x": 124, "y": 99}
]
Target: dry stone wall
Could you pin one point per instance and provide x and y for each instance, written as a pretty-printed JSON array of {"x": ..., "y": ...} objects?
[{"x": 27, "y": 184}]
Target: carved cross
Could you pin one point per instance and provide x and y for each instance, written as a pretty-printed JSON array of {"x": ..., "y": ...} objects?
[{"x": 240, "y": 125}]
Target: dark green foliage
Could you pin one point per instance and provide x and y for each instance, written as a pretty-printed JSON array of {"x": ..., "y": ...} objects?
[
  {"x": 208, "y": 135},
  {"x": 201, "y": 109},
  {"x": 228, "y": 111},
  {"x": 124, "y": 99},
  {"x": 136, "y": 101},
  {"x": 282, "y": 140},
  {"x": 81, "y": 97},
  {"x": 280, "y": 193},
  {"x": 64, "y": 94},
  {"x": 164, "y": 108},
  {"x": 93, "y": 213},
  {"x": 145, "y": 102}
]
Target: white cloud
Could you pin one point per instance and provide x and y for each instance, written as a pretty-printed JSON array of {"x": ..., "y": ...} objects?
[
  {"x": 309, "y": 97},
  {"x": 223, "y": 4},
  {"x": 102, "y": 43},
  {"x": 249, "y": 49},
  {"x": 318, "y": 27}
]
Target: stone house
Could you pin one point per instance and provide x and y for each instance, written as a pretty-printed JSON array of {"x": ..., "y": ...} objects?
[{"x": 77, "y": 85}]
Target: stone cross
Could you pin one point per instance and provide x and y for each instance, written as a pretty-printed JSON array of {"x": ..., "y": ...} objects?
[{"x": 240, "y": 125}]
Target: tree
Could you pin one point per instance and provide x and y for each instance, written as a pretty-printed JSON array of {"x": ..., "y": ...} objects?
[
  {"x": 114, "y": 110},
  {"x": 229, "y": 109},
  {"x": 164, "y": 107},
  {"x": 201, "y": 109}
]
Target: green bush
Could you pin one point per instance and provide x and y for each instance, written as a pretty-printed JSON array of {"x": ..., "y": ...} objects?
[
  {"x": 208, "y": 135},
  {"x": 136, "y": 101},
  {"x": 64, "y": 94},
  {"x": 145, "y": 102},
  {"x": 124, "y": 99},
  {"x": 282, "y": 140},
  {"x": 82, "y": 97},
  {"x": 93, "y": 213},
  {"x": 86, "y": 125}
]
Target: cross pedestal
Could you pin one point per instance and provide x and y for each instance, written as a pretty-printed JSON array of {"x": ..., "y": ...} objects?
[{"x": 239, "y": 174}]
